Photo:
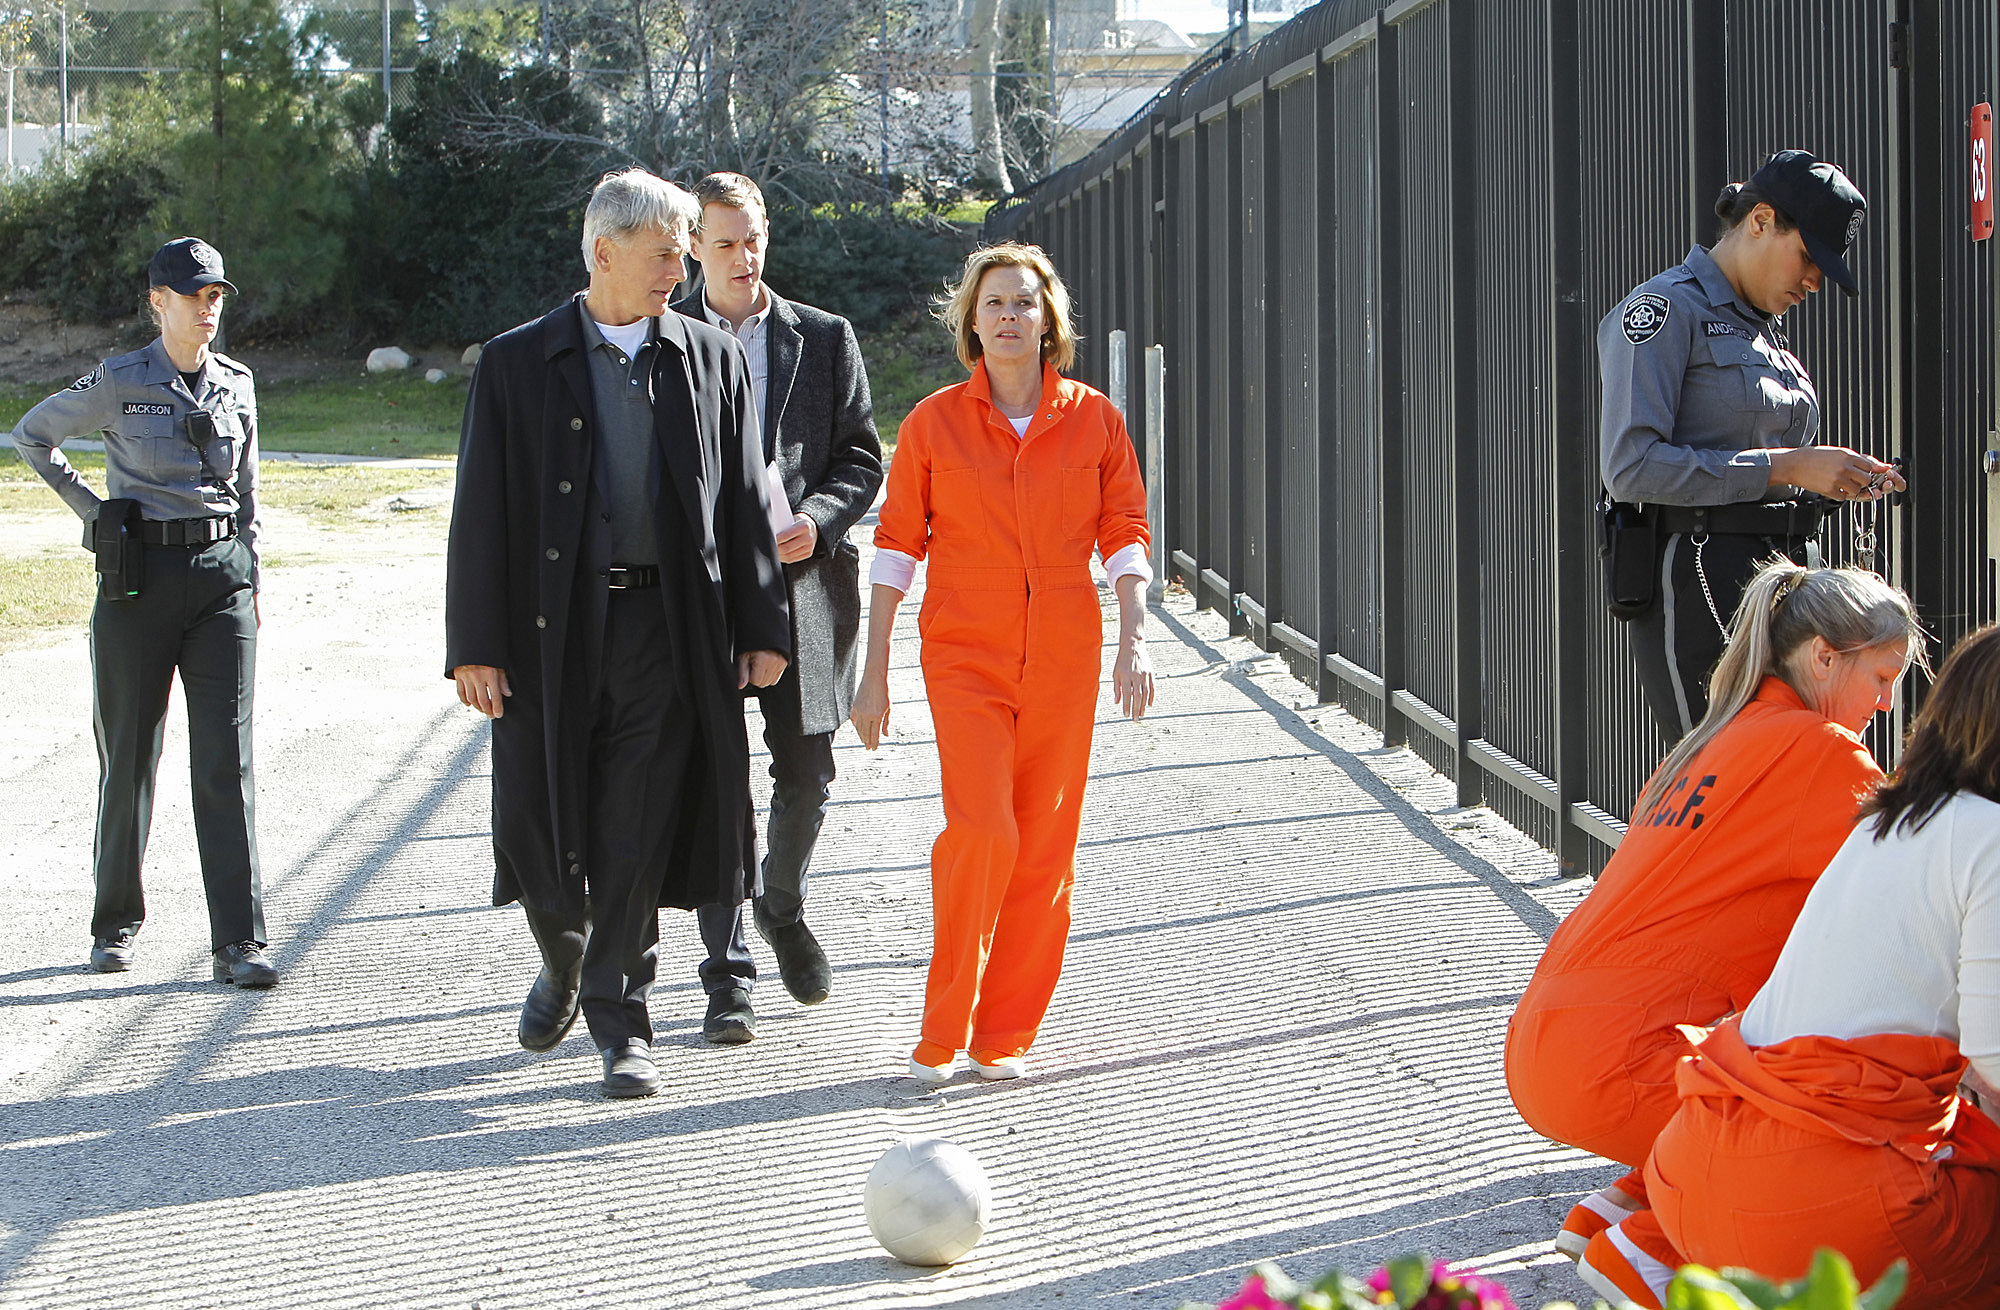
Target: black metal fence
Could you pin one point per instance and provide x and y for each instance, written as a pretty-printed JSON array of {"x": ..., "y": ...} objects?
[{"x": 1375, "y": 247}]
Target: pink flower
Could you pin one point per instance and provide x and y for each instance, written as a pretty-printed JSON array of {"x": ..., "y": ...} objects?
[
  {"x": 1252, "y": 1296},
  {"x": 1451, "y": 1291}
]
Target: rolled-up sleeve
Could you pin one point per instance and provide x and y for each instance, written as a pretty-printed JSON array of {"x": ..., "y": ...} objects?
[
  {"x": 1121, "y": 520},
  {"x": 904, "y": 524}
]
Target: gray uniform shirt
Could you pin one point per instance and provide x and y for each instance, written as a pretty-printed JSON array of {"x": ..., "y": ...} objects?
[
  {"x": 139, "y": 404},
  {"x": 1698, "y": 389},
  {"x": 621, "y": 386}
]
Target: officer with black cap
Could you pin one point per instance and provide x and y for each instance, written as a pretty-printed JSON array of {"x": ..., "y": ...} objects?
[
  {"x": 176, "y": 546},
  {"x": 1710, "y": 438}
]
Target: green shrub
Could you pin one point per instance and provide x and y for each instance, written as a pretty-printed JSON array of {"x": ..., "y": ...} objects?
[
  {"x": 79, "y": 238},
  {"x": 467, "y": 235},
  {"x": 870, "y": 267}
]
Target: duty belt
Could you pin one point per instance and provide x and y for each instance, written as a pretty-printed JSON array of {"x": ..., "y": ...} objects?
[
  {"x": 631, "y": 577},
  {"x": 1781, "y": 518},
  {"x": 188, "y": 532}
]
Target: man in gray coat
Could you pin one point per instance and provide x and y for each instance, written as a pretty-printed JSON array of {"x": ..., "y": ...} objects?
[{"x": 811, "y": 391}]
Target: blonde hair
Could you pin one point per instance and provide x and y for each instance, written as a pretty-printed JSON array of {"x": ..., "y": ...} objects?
[
  {"x": 1785, "y": 606},
  {"x": 955, "y": 308},
  {"x": 731, "y": 189}
]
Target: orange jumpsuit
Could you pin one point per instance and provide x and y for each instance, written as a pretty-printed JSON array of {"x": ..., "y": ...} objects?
[
  {"x": 1861, "y": 1145},
  {"x": 1683, "y": 927},
  {"x": 1013, "y": 641}
]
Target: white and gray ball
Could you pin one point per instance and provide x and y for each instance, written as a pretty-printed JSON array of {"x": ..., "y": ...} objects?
[{"x": 927, "y": 1201}]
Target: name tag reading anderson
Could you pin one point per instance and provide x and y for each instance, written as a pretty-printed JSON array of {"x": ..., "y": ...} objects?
[{"x": 141, "y": 407}]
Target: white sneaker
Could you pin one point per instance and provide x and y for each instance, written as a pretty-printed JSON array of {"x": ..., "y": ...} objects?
[
  {"x": 932, "y": 1074},
  {"x": 1002, "y": 1067}
]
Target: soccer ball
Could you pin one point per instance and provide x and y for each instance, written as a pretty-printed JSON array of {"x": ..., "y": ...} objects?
[{"x": 927, "y": 1201}]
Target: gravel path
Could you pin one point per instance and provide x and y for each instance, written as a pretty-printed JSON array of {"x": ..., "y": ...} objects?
[{"x": 1278, "y": 1034}]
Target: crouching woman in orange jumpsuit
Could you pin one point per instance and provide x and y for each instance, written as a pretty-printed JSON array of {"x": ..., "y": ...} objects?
[
  {"x": 1004, "y": 483},
  {"x": 1829, "y": 1113},
  {"x": 1683, "y": 926}
]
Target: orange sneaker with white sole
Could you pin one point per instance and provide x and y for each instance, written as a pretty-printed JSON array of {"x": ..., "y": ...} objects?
[{"x": 1619, "y": 1271}]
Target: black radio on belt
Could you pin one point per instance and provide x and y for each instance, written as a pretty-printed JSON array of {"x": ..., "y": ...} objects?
[
  {"x": 1627, "y": 541},
  {"x": 115, "y": 537}
]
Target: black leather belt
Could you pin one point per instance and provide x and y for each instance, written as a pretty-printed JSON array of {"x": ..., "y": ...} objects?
[
  {"x": 1784, "y": 518},
  {"x": 188, "y": 532},
  {"x": 631, "y": 577}
]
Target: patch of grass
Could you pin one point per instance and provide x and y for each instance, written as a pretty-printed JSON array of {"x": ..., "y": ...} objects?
[
  {"x": 22, "y": 488},
  {"x": 380, "y": 414},
  {"x": 906, "y": 363},
  {"x": 336, "y": 491},
  {"x": 323, "y": 490},
  {"x": 386, "y": 414},
  {"x": 43, "y": 591}
]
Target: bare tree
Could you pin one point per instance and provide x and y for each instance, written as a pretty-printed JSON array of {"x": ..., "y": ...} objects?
[{"x": 988, "y": 150}]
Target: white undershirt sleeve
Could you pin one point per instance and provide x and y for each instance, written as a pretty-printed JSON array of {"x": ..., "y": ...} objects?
[
  {"x": 1131, "y": 561},
  {"x": 892, "y": 568}
]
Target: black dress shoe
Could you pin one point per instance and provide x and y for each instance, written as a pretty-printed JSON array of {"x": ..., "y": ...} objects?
[
  {"x": 550, "y": 1010},
  {"x": 730, "y": 1021},
  {"x": 111, "y": 954},
  {"x": 629, "y": 1069},
  {"x": 243, "y": 963},
  {"x": 801, "y": 963}
]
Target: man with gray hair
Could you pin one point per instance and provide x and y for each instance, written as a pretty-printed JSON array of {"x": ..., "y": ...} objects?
[{"x": 612, "y": 585}]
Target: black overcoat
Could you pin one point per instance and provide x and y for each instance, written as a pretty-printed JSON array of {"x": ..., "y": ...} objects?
[
  {"x": 822, "y": 435},
  {"x": 512, "y": 598}
]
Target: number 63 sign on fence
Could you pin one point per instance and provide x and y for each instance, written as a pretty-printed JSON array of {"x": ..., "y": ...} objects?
[{"x": 1982, "y": 171}]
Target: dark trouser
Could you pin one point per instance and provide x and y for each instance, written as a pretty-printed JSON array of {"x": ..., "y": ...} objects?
[
  {"x": 197, "y": 613},
  {"x": 801, "y": 772},
  {"x": 1677, "y": 643},
  {"x": 643, "y": 738}
]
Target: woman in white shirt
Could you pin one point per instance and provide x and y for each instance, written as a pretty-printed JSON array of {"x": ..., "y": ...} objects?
[{"x": 1841, "y": 1108}]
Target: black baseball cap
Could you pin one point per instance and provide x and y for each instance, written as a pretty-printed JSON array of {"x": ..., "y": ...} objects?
[
  {"x": 1822, "y": 202},
  {"x": 186, "y": 265}
]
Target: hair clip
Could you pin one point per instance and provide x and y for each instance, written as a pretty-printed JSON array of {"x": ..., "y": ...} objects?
[{"x": 1785, "y": 589}]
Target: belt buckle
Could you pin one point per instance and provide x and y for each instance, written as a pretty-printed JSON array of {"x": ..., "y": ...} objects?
[{"x": 618, "y": 577}]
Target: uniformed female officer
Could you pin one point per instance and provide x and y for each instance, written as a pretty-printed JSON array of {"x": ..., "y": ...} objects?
[
  {"x": 179, "y": 424},
  {"x": 1711, "y": 424}
]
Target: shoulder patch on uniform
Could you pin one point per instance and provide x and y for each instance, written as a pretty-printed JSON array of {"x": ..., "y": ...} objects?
[
  {"x": 1714, "y": 328},
  {"x": 1645, "y": 314},
  {"x": 88, "y": 380}
]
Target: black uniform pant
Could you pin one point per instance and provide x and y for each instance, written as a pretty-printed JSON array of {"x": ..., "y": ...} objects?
[
  {"x": 643, "y": 740},
  {"x": 196, "y": 613},
  {"x": 801, "y": 774},
  {"x": 1678, "y": 642}
]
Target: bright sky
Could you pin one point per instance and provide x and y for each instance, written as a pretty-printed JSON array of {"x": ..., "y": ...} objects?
[{"x": 1185, "y": 15}]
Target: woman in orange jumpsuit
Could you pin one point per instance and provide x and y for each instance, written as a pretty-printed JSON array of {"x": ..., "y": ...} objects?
[
  {"x": 1690, "y": 914},
  {"x": 1004, "y": 483},
  {"x": 1833, "y": 1111}
]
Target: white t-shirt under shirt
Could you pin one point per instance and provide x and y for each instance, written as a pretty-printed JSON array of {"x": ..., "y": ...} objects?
[
  {"x": 892, "y": 568},
  {"x": 628, "y": 337},
  {"x": 1898, "y": 936}
]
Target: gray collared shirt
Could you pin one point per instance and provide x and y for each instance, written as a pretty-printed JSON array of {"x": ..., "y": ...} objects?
[
  {"x": 623, "y": 452},
  {"x": 139, "y": 404},
  {"x": 1699, "y": 388}
]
